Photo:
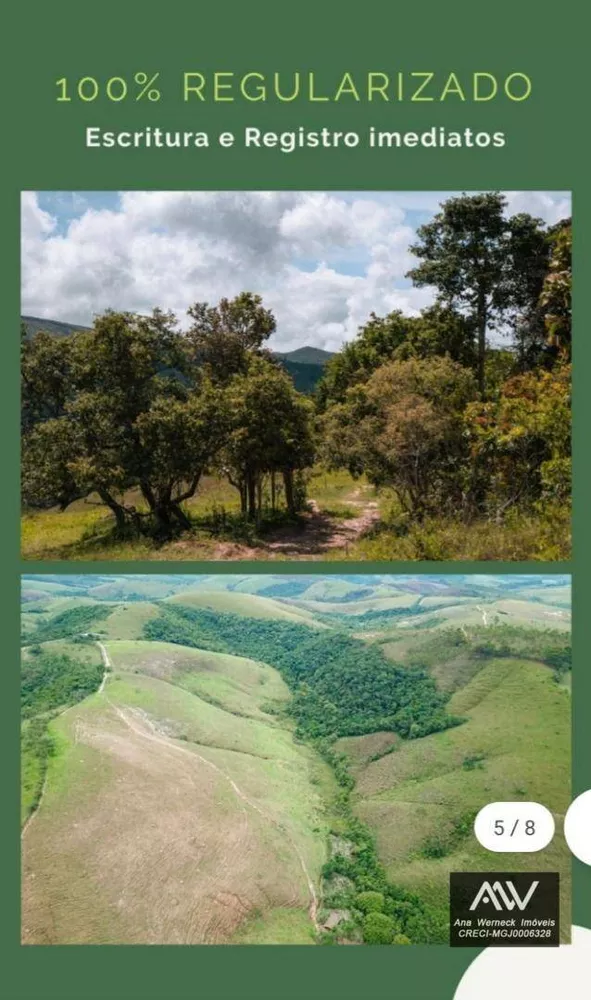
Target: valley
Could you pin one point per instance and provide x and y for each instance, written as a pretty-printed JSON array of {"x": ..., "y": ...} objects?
[{"x": 293, "y": 759}]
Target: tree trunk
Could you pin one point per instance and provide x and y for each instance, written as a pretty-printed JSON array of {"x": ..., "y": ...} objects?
[
  {"x": 181, "y": 517},
  {"x": 117, "y": 509},
  {"x": 481, "y": 318},
  {"x": 252, "y": 496},
  {"x": 273, "y": 490},
  {"x": 289, "y": 494}
]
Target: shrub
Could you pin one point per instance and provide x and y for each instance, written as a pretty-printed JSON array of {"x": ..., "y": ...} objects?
[
  {"x": 370, "y": 902},
  {"x": 378, "y": 929}
]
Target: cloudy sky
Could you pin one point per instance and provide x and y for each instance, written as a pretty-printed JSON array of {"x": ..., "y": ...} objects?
[{"x": 321, "y": 261}]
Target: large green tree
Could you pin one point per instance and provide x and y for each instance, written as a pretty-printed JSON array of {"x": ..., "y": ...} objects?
[
  {"x": 404, "y": 428},
  {"x": 126, "y": 412},
  {"x": 482, "y": 262},
  {"x": 223, "y": 337},
  {"x": 271, "y": 433}
]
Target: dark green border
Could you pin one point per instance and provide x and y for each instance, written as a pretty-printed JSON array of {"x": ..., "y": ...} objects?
[{"x": 44, "y": 149}]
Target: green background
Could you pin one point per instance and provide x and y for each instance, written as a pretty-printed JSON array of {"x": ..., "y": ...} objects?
[{"x": 44, "y": 149}]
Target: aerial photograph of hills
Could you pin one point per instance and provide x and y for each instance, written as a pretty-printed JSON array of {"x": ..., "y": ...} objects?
[{"x": 281, "y": 758}]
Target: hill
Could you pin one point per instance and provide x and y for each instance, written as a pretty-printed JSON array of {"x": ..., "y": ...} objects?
[
  {"x": 304, "y": 365},
  {"x": 307, "y": 356},
  {"x": 34, "y": 324},
  {"x": 281, "y": 754}
]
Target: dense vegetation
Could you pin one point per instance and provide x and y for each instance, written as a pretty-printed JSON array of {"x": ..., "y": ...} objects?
[
  {"x": 53, "y": 680},
  {"x": 460, "y": 416},
  {"x": 354, "y": 881},
  {"x": 68, "y": 623},
  {"x": 341, "y": 686},
  {"x": 50, "y": 682},
  {"x": 457, "y": 428}
]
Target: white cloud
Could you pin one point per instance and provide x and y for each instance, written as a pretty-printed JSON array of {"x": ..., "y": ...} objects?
[{"x": 321, "y": 261}]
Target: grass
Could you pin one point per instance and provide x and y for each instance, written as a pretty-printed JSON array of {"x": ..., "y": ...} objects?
[
  {"x": 518, "y": 725},
  {"x": 85, "y": 529},
  {"x": 279, "y": 926},
  {"x": 209, "y": 865},
  {"x": 249, "y": 605},
  {"x": 127, "y": 620},
  {"x": 234, "y": 683},
  {"x": 521, "y": 537}
]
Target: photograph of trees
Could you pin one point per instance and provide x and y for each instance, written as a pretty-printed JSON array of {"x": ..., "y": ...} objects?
[{"x": 441, "y": 434}]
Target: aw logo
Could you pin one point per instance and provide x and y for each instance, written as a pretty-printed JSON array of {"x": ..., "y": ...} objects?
[
  {"x": 504, "y": 909},
  {"x": 503, "y": 897}
]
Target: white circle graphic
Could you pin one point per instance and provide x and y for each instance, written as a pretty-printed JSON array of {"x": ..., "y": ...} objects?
[
  {"x": 577, "y": 827},
  {"x": 520, "y": 973}
]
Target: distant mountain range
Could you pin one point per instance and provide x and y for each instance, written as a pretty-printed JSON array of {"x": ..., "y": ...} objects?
[{"x": 305, "y": 364}]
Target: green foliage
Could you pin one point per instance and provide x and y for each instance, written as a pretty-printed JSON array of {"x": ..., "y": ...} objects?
[
  {"x": 404, "y": 428},
  {"x": 37, "y": 746},
  {"x": 556, "y": 295},
  {"x": 482, "y": 261},
  {"x": 341, "y": 686},
  {"x": 472, "y": 441},
  {"x": 52, "y": 680},
  {"x": 68, "y": 623},
  {"x": 370, "y": 902},
  {"x": 270, "y": 432},
  {"x": 440, "y": 845},
  {"x": 474, "y": 761},
  {"x": 136, "y": 405},
  {"x": 378, "y": 928}
]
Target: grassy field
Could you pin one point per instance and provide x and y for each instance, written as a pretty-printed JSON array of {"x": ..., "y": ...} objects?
[
  {"x": 515, "y": 744},
  {"x": 249, "y": 605},
  {"x": 85, "y": 529},
  {"x": 227, "y": 804}
]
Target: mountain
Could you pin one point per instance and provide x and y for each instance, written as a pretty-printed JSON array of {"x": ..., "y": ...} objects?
[
  {"x": 304, "y": 365},
  {"x": 307, "y": 356},
  {"x": 34, "y": 324}
]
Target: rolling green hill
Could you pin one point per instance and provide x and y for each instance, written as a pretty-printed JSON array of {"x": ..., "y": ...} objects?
[{"x": 286, "y": 743}]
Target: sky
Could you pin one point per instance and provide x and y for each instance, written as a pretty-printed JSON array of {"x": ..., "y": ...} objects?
[{"x": 322, "y": 261}]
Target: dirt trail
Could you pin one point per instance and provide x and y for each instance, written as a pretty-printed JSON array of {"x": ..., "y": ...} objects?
[
  {"x": 484, "y": 614},
  {"x": 107, "y": 663},
  {"x": 132, "y": 720},
  {"x": 317, "y": 532}
]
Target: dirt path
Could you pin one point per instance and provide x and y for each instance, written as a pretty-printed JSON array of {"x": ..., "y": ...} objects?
[
  {"x": 317, "y": 532},
  {"x": 132, "y": 721},
  {"x": 484, "y": 614},
  {"x": 107, "y": 664}
]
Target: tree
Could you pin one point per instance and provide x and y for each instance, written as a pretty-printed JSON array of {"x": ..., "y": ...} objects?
[
  {"x": 378, "y": 928},
  {"x": 556, "y": 295},
  {"x": 375, "y": 343},
  {"x": 521, "y": 440},
  {"x": 404, "y": 428},
  {"x": 223, "y": 338},
  {"x": 45, "y": 371},
  {"x": 481, "y": 262},
  {"x": 271, "y": 432},
  {"x": 438, "y": 330},
  {"x": 131, "y": 414},
  {"x": 370, "y": 902}
]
